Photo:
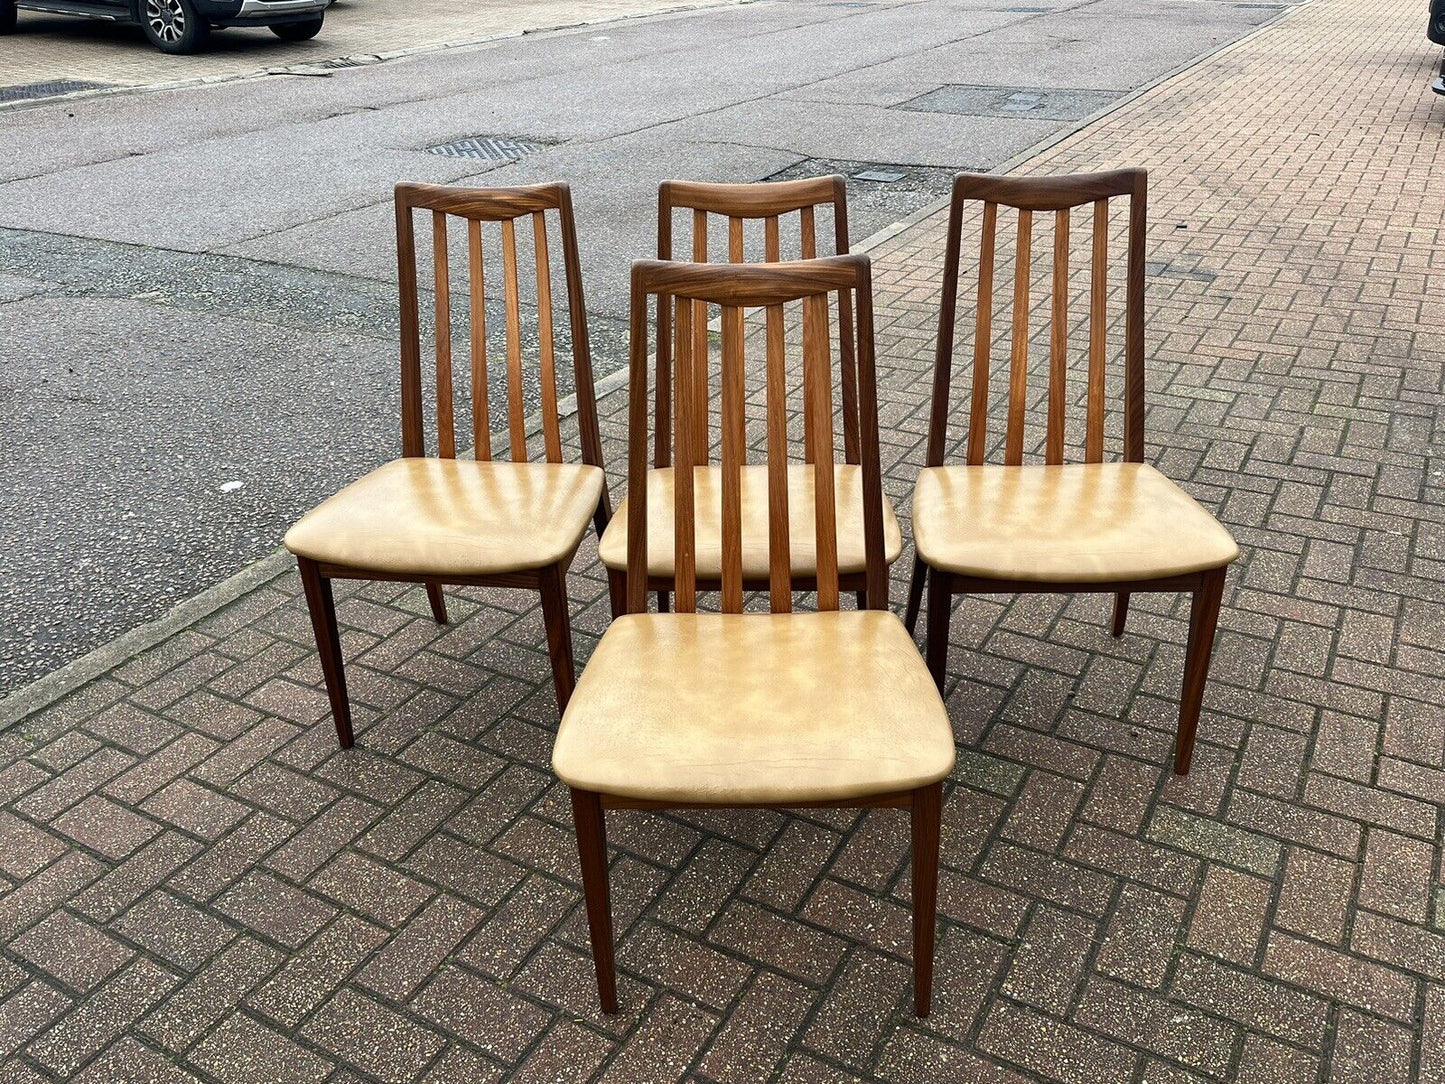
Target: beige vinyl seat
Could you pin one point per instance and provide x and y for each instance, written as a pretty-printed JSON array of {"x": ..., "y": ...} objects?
[
  {"x": 1071, "y": 523},
  {"x": 453, "y": 517},
  {"x": 754, "y": 709},
  {"x": 707, "y": 489}
]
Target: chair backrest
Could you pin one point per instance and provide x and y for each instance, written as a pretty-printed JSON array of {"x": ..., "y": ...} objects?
[
  {"x": 1060, "y": 195},
  {"x": 775, "y": 288},
  {"x": 504, "y": 206},
  {"x": 739, "y": 204}
]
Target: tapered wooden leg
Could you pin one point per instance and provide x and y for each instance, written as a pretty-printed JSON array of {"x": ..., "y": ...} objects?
[
  {"x": 592, "y": 850},
  {"x": 940, "y": 610},
  {"x": 438, "y": 602},
  {"x": 617, "y": 592},
  {"x": 328, "y": 645},
  {"x": 1203, "y": 617},
  {"x": 926, "y": 816},
  {"x": 559, "y": 632},
  {"x": 1121, "y": 612},
  {"x": 915, "y": 594}
]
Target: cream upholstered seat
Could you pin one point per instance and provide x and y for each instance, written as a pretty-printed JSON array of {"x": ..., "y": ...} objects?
[
  {"x": 1074, "y": 523},
  {"x": 707, "y": 497},
  {"x": 451, "y": 517},
  {"x": 754, "y": 709}
]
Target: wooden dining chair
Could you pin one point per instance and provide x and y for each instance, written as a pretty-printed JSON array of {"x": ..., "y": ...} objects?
[
  {"x": 1117, "y": 527},
  {"x": 741, "y": 204},
  {"x": 476, "y": 522},
  {"x": 776, "y": 709}
]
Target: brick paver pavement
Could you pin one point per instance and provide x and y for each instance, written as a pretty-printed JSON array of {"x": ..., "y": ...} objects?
[{"x": 199, "y": 886}]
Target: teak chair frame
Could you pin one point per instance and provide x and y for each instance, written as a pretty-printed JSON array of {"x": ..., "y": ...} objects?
[
  {"x": 767, "y": 201},
  {"x": 477, "y": 206},
  {"x": 736, "y": 288},
  {"x": 1060, "y": 195}
]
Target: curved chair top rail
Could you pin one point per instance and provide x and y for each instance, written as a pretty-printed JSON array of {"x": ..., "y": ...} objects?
[
  {"x": 750, "y": 285},
  {"x": 758, "y": 199},
  {"x": 1049, "y": 193},
  {"x": 737, "y": 287},
  {"x": 484, "y": 204},
  {"x": 1060, "y": 195}
]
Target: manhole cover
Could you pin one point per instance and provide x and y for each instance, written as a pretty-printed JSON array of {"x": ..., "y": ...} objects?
[
  {"x": 26, "y": 91},
  {"x": 1036, "y": 103},
  {"x": 488, "y": 148}
]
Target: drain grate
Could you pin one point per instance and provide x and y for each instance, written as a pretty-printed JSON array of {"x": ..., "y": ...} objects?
[
  {"x": 489, "y": 148},
  {"x": 27, "y": 91},
  {"x": 1035, "y": 103}
]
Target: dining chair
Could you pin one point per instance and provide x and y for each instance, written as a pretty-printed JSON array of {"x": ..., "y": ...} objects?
[
  {"x": 1118, "y": 527},
  {"x": 739, "y": 204},
  {"x": 776, "y": 709},
  {"x": 483, "y": 522}
]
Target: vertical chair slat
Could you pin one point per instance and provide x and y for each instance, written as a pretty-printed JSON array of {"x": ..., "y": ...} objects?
[
  {"x": 446, "y": 426},
  {"x": 876, "y": 573},
  {"x": 699, "y": 346},
  {"x": 808, "y": 234},
  {"x": 734, "y": 445},
  {"x": 551, "y": 426},
  {"x": 735, "y": 240},
  {"x": 1134, "y": 322},
  {"x": 684, "y": 457},
  {"x": 847, "y": 343},
  {"x": 780, "y": 576},
  {"x": 637, "y": 452},
  {"x": 982, "y": 338},
  {"x": 1019, "y": 355},
  {"x": 517, "y": 423},
  {"x": 413, "y": 442},
  {"x": 818, "y": 434},
  {"x": 1058, "y": 341},
  {"x": 477, "y": 299},
  {"x": 1098, "y": 300},
  {"x": 772, "y": 244},
  {"x": 662, "y": 454}
]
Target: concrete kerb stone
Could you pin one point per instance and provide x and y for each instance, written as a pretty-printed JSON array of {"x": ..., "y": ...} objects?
[{"x": 60, "y": 683}]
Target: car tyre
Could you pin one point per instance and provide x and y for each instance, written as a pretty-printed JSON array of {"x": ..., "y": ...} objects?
[
  {"x": 7, "y": 16},
  {"x": 173, "y": 26},
  {"x": 302, "y": 31}
]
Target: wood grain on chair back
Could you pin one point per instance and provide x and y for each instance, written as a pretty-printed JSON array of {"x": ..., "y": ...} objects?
[
  {"x": 1060, "y": 195},
  {"x": 740, "y": 203},
  {"x": 779, "y": 289},
  {"x": 504, "y": 206}
]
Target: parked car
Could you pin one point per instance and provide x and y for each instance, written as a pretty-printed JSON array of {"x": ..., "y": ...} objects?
[
  {"x": 183, "y": 26},
  {"x": 1436, "y": 33}
]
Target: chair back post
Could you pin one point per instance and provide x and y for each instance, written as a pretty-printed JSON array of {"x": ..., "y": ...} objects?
[
  {"x": 1028, "y": 195},
  {"x": 505, "y": 206},
  {"x": 735, "y": 289}
]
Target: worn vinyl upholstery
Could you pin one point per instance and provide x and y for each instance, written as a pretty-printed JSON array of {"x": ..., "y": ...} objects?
[
  {"x": 754, "y": 709},
  {"x": 452, "y": 517},
  {"x": 1085, "y": 522},
  {"x": 707, "y": 498}
]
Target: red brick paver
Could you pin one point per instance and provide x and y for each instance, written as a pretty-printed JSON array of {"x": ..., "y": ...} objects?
[{"x": 198, "y": 886}]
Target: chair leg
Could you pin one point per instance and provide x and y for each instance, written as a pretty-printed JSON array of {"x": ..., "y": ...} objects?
[
  {"x": 592, "y": 851},
  {"x": 328, "y": 645},
  {"x": 553, "y": 581},
  {"x": 940, "y": 612},
  {"x": 1121, "y": 612},
  {"x": 617, "y": 592},
  {"x": 915, "y": 594},
  {"x": 438, "y": 602},
  {"x": 1203, "y": 617},
  {"x": 926, "y": 817}
]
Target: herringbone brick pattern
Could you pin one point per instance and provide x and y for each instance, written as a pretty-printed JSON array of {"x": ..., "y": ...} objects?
[{"x": 198, "y": 886}]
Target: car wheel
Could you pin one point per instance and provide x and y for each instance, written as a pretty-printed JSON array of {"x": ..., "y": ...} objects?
[
  {"x": 173, "y": 25},
  {"x": 7, "y": 16},
  {"x": 302, "y": 31}
]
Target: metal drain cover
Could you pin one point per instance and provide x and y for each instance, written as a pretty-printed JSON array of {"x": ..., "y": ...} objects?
[
  {"x": 489, "y": 148},
  {"x": 1036, "y": 103},
  {"x": 27, "y": 91}
]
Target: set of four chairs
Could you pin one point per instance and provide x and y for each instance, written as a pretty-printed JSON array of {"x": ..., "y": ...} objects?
[{"x": 681, "y": 709}]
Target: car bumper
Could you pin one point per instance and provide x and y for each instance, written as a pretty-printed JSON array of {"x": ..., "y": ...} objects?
[{"x": 260, "y": 12}]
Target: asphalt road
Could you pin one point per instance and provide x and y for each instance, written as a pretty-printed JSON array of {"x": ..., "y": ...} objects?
[{"x": 196, "y": 284}]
